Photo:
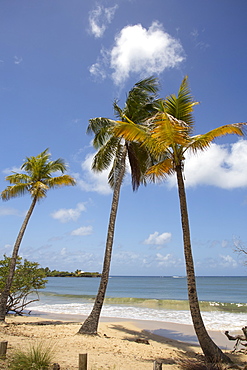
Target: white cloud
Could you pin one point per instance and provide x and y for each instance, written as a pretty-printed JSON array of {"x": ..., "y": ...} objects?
[
  {"x": 220, "y": 165},
  {"x": 167, "y": 260},
  {"x": 5, "y": 211},
  {"x": 227, "y": 261},
  {"x": 158, "y": 239},
  {"x": 17, "y": 60},
  {"x": 82, "y": 231},
  {"x": 141, "y": 51},
  {"x": 71, "y": 214},
  {"x": 93, "y": 181},
  {"x": 8, "y": 171},
  {"x": 99, "y": 18}
]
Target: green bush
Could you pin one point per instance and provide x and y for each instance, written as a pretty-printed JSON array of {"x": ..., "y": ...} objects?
[
  {"x": 28, "y": 279},
  {"x": 37, "y": 357}
]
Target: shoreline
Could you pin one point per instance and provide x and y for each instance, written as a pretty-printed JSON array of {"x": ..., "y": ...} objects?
[
  {"x": 179, "y": 332},
  {"x": 115, "y": 347}
]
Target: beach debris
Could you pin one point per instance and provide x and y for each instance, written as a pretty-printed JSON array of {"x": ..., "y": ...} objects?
[
  {"x": 140, "y": 340},
  {"x": 157, "y": 365},
  {"x": 202, "y": 364},
  {"x": 55, "y": 366},
  {"x": 240, "y": 339}
]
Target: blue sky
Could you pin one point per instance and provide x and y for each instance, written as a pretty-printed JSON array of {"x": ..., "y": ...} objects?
[{"x": 64, "y": 62}]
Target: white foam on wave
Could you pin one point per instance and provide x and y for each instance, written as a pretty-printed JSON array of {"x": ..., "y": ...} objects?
[{"x": 212, "y": 320}]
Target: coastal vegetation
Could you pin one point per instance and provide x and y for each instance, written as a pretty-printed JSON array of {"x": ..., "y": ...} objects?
[
  {"x": 115, "y": 152},
  {"x": 38, "y": 356},
  {"x": 28, "y": 278},
  {"x": 168, "y": 136},
  {"x": 36, "y": 180},
  {"x": 77, "y": 273}
]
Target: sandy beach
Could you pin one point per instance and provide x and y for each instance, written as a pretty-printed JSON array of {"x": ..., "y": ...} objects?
[{"x": 115, "y": 347}]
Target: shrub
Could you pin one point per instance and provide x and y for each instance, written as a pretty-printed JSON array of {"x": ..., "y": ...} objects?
[{"x": 37, "y": 357}]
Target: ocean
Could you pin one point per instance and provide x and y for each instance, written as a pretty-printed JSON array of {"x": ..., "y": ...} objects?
[{"x": 223, "y": 300}]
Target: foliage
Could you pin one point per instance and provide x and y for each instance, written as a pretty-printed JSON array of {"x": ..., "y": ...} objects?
[
  {"x": 77, "y": 273},
  {"x": 37, "y": 357},
  {"x": 28, "y": 278},
  {"x": 38, "y": 177}
]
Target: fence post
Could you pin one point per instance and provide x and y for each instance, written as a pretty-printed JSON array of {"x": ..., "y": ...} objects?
[
  {"x": 3, "y": 350},
  {"x": 157, "y": 365},
  {"x": 83, "y": 361}
]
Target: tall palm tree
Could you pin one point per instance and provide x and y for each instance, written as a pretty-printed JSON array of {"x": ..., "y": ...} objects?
[
  {"x": 168, "y": 139},
  {"x": 114, "y": 152},
  {"x": 36, "y": 181}
]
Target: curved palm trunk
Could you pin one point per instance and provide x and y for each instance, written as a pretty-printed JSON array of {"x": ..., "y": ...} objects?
[
  {"x": 90, "y": 325},
  {"x": 211, "y": 351},
  {"x": 8, "y": 283}
]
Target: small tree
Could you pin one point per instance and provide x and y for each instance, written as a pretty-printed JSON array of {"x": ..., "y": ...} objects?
[
  {"x": 36, "y": 181},
  {"x": 28, "y": 279}
]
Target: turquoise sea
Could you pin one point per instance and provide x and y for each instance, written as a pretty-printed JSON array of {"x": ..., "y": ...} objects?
[{"x": 223, "y": 300}]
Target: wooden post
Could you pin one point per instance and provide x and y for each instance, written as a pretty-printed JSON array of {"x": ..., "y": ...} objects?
[
  {"x": 157, "y": 365},
  {"x": 83, "y": 361},
  {"x": 3, "y": 350}
]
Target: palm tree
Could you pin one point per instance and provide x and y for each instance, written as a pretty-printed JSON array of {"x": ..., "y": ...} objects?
[
  {"x": 114, "y": 152},
  {"x": 168, "y": 139},
  {"x": 36, "y": 181}
]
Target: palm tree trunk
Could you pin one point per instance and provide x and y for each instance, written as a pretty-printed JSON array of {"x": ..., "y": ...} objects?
[
  {"x": 90, "y": 325},
  {"x": 9, "y": 280},
  {"x": 211, "y": 351}
]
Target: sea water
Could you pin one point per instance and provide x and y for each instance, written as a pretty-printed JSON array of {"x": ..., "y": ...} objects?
[{"x": 223, "y": 300}]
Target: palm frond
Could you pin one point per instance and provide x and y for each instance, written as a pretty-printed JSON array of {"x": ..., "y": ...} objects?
[
  {"x": 138, "y": 106},
  {"x": 161, "y": 170},
  {"x": 202, "y": 142},
  {"x": 182, "y": 105},
  {"x": 104, "y": 157},
  {"x": 168, "y": 130},
  {"x": 140, "y": 160},
  {"x": 117, "y": 110},
  {"x": 55, "y": 166},
  {"x": 14, "y": 191},
  {"x": 98, "y": 123},
  {"x": 60, "y": 181},
  {"x": 130, "y": 131},
  {"x": 16, "y": 178}
]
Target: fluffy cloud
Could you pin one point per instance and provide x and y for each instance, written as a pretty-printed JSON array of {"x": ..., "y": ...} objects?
[
  {"x": 220, "y": 165},
  {"x": 93, "y": 181},
  {"x": 141, "y": 51},
  {"x": 82, "y": 231},
  {"x": 158, "y": 239},
  {"x": 66, "y": 215},
  {"x": 99, "y": 18}
]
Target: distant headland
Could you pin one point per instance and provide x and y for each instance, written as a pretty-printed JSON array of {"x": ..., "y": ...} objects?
[{"x": 77, "y": 273}]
